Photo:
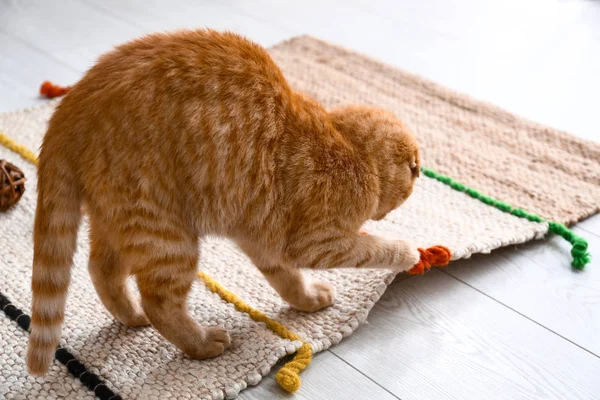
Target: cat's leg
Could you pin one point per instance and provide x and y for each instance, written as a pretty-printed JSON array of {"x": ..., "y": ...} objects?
[
  {"x": 165, "y": 270},
  {"x": 300, "y": 292},
  {"x": 109, "y": 277},
  {"x": 290, "y": 283},
  {"x": 351, "y": 250}
]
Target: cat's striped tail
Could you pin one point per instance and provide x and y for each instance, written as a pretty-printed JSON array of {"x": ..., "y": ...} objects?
[{"x": 57, "y": 220}]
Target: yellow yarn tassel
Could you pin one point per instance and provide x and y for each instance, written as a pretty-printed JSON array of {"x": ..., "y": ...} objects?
[
  {"x": 18, "y": 148},
  {"x": 287, "y": 377}
]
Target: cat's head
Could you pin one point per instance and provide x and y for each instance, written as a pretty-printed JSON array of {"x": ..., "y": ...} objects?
[{"x": 387, "y": 147}]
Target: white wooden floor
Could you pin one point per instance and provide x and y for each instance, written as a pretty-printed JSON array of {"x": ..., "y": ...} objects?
[{"x": 517, "y": 324}]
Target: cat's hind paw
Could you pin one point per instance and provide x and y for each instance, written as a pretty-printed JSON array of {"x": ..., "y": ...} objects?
[{"x": 134, "y": 320}]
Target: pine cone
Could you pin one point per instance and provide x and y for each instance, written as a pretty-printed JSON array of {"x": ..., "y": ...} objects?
[{"x": 12, "y": 185}]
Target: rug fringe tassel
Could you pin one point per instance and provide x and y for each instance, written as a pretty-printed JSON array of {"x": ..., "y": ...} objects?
[
  {"x": 579, "y": 250},
  {"x": 435, "y": 256},
  {"x": 50, "y": 90},
  {"x": 288, "y": 376}
]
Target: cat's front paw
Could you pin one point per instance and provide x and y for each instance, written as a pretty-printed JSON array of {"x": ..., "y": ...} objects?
[
  {"x": 317, "y": 295},
  {"x": 408, "y": 256}
]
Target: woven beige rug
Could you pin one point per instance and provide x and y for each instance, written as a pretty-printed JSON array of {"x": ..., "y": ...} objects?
[{"x": 524, "y": 164}]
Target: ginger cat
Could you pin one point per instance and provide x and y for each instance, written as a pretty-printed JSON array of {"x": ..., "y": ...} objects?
[{"x": 172, "y": 137}]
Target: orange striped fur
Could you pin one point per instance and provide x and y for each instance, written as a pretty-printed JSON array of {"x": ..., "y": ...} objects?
[{"x": 173, "y": 137}]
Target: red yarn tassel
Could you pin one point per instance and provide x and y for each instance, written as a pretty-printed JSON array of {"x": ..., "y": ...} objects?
[
  {"x": 50, "y": 90},
  {"x": 438, "y": 256},
  {"x": 435, "y": 256}
]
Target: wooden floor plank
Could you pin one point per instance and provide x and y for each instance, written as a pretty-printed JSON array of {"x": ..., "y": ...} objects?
[
  {"x": 22, "y": 71},
  {"x": 72, "y": 31},
  {"x": 178, "y": 14},
  {"x": 432, "y": 337},
  {"x": 591, "y": 225},
  {"x": 537, "y": 281},
  {"x": 413, "y": 47}
]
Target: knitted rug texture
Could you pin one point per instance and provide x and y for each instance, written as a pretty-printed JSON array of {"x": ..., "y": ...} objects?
[{"x": 524, "y": 164}]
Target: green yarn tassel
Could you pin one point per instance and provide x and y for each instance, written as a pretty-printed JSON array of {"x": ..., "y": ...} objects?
[{"x": 579, "y": 250}]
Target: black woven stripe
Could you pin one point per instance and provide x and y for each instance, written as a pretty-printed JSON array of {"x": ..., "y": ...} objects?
[{"x": 76, "y": 368}]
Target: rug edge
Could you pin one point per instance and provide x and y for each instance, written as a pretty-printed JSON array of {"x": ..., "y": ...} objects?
[{"x": 479, "y": 105}]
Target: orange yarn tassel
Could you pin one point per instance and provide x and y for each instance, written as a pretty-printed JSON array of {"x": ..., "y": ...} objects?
[
  {"x": 438, "y": 256},
  {"x": 50, "y": 90},
  {"x": 435, "y": 256}
]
